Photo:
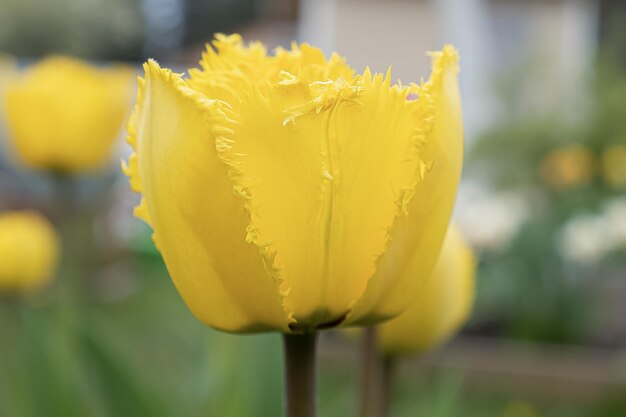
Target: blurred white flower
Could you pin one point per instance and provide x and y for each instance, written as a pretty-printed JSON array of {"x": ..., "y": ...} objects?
[
  {"x": 489, "y": 220},
  {"x": 586, "y": 239},
  {"x": 590, "y": 237}
]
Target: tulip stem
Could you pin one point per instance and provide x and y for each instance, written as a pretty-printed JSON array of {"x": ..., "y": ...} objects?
[
  {"x": 64, "y": 196},
  {"x": 388, "y": 374},
  {"x": 69, "y": 221},
  {"x": 300, "y": 374},
  {"x": 376, "y": 378}
]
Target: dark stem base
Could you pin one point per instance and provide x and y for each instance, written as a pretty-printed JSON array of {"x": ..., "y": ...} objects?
[
  {"x": 300, "y": 375},
  {"x": 376, "y": 378}
]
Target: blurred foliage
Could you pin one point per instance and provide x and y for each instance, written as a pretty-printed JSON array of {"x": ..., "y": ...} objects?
[
  {"x": 207, "y": 17},
  {"x": 110, "y": 29},
  {"x": 528, "y": 292},
  {"x": 567, "y": 169},
  {"x": 97, "y": 29},
  {"x": 445, "y": 393},
  {"x": 145, "y": 355},
  {"x": 613, "y": 32}
]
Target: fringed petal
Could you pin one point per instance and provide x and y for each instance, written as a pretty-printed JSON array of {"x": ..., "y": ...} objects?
[
  {"x": 230, "y": 69},
  {"x": 199, "y": 224},
  {"x": 417, "y": 233},
  {"x": 325, "y": 167}
]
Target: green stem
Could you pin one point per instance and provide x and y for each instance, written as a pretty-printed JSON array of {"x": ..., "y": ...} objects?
[
  {"x": 70, "y": 282},
  {"x": 376, "y": 378},
  {"x": 388, "y": 373},
  {"x": 300, "y": 375},
  {"x": 64, "y": 196}
]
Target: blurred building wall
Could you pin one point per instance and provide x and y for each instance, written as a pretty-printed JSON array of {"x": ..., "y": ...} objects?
[
  {"x": 547, "y": 48},
  {"x": 543, "y": 49}
]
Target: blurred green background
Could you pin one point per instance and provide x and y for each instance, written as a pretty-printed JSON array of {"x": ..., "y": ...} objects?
[{"x": 542, "y": 202}]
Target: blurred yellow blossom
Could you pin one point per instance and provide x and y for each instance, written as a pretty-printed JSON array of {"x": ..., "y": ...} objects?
[
  {"x": 64, "y": 115},
  {"x": 568, "y": 166},
  {"x": 287, "y": 193},
  {"x": 29, "y": 251},
  {"x": 444, "y": 303},
  {"x": 614, "y": 165}
]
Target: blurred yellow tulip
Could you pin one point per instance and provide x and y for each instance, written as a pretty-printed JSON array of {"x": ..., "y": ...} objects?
[
  {"x": 64, "y": 115},
  {"x": 29, "y": 251},
  {"x": 614, "y": 165},
  {"x": 444, "y": 303},
  {"x": 567, "y": 167},
  {"x": 287, "y": 193}
]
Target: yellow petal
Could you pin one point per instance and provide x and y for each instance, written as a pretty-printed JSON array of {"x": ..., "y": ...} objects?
[
  {"x": 418, "y": 231},
  {"x": 230, "y": 69},
  {"x": 78, "y": 111},
  {"x": 198, "y": 222},
  {"x": 326, "y": 165},
  {"x": 443, "y": 305}
]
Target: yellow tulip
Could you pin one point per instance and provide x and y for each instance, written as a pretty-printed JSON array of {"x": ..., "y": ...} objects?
[
  {"x": 287, "y": 193},
  {"x": 444, "y": 303},
  {"x": 614, "y": 165},
  {"x": 29, "y": 251},
  {"x": 64, "y": 115}
]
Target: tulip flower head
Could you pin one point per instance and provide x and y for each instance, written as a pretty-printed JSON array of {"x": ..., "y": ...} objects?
[
  {"x": 442, "y": 307},
  {"x": 29, "y": 251},
  {"x": 64, "y": 115},
  {"x": 286, "y": 192}
]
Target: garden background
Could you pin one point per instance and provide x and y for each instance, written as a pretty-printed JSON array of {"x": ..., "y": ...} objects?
[{"x": 542, "y": 202}]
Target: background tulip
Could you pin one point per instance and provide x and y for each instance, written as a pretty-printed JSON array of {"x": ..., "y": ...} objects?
[
  {"x": 64, "y": 115},
  {"x": 29, "y": 251},
  {"x": 286, "y": 193},
  {"x": 442, "y": 307},
  {"x": 569, "y": 166}
]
